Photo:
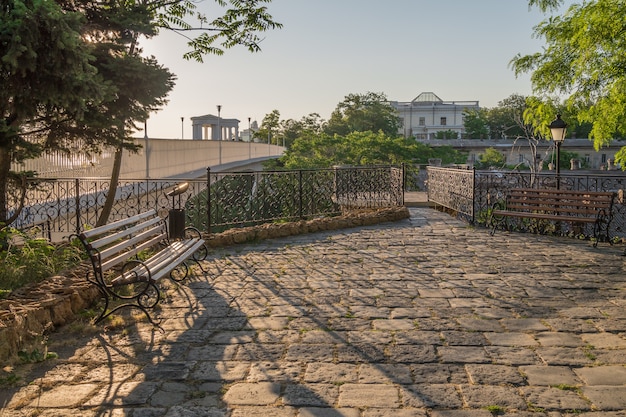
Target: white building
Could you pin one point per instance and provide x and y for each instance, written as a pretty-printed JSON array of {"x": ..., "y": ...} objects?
[{"x": 427, "y": 114}]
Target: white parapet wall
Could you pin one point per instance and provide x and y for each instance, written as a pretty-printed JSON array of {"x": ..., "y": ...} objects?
[{"x": 157, "y": 158}]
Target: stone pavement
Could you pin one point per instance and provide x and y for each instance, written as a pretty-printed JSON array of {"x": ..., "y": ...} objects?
[{"x": 422, "y": 317}]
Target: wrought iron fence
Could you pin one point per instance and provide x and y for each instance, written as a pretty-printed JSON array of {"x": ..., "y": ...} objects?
[
  {"x": 451, "y": 188},
  {"x": 56, "y": 208}
]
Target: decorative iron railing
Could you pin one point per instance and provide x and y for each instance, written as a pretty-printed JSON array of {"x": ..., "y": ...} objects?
[
  {"x": 451, "y": 188},
  {"x": 56, "y": 208}
]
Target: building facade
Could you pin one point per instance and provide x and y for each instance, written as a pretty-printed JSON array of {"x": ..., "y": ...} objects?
[
  {"x": 427, "y": 114},
  {"x": 518, "y": 153}
]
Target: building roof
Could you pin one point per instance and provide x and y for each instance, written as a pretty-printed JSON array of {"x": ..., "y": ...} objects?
[{"x": 427, "y": 97}]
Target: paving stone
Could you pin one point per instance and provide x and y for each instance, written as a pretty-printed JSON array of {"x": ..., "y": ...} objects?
[
  {"x": 368, "y": 395},
  {"x": 260, "y": 393},
  {"x": 490, "y": 395},
  {"x": 602, "y": 375},
  {"x": 437, "y": 373},
  {"x": 331, "y": 373},
  {"x": 564, "y": 356},
  {"x": 329, "y": 412},
  {"x": 65, "y": 396},
  {"x": 549, "y": 375},
  {"x": 609, "y": 398},
  {"x": 554, "y": 399},
  {"x": 431, "y": 396},
  {"x": 510, "y": 339},
  {"x": 488, "y": 374},
  {"x": 559, "y": 339},
  {"x": 604, "y": 340},
  {"x": 463, "y": 354},
  {"x": 524, "y": 325}
]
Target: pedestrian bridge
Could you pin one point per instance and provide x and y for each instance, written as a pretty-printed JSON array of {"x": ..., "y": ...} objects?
[{"x": 157, "y": 158}]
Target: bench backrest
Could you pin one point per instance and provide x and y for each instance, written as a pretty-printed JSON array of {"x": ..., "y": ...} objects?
[
  {"x": 585, "y": 203},
  {"x": 113, "y": 244}
]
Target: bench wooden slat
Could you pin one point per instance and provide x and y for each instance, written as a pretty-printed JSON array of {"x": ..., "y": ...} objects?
[
  {"x": 558, "y": 205},
  {"x": 88, "y": 234},
  {"x": 130, "y": 231},
  {"x": 113, "y": 250},
  {"x": 123, "y": 256}
]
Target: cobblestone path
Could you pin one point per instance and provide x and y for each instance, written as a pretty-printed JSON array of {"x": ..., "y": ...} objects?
[{"x": 422, "y": 317}]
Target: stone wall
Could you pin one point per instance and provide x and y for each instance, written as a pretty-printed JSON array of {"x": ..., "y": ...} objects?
[{"x": 31, "y": 312}]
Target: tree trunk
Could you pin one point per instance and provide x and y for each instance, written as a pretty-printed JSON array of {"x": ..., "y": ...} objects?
[
  {"x": 115, "y": 177},
  {"x": 5, "y": 168}
]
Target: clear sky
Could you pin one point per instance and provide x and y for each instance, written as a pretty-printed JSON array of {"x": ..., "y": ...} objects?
[{"x": 327, "y": 49}]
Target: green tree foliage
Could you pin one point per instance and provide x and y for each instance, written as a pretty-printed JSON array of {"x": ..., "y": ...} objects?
[
  {"x": 584, "y": 60},
  {"x": 74, "y": 78},
  {"x": 490, "y": 159},
  {"x": 475, "y": 124},
  {"x": 363, "y": 148},
  {"x": 269, "y": 131},
  {"x": 48, "y": 81},
  {"x": 362, "y": 113},
  {"x": 446, "y": 134}
]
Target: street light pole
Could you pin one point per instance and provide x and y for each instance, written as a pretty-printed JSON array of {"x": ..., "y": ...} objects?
[
  {"x": 558, "y": 128},
  {"x": 219, "y": 132},
  {"x": 182, "y": 128},
  {"x": 249, "y": 140}
]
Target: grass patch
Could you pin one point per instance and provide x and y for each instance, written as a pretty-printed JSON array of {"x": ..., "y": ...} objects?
[
  {"x": 495, "y": 410},
  {"x": 26, "y": 260}
]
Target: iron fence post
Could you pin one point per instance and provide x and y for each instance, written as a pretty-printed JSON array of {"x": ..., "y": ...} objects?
[
  {"x": 403, "y": 182},
  {"x": 208, "y": 208},
  {"x": 77, "y": 198},
  {"x": 301, "y": 192},
  {"x": 473, "y": 195}
]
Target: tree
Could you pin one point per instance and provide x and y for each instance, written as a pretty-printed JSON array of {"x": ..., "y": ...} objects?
[
  {"x": 583, "y": 60},
  {"x": 238, "y": 26},
  {"x": 363, "y": 148},
  {"x": 510, "y": 119},
  {"x": 446, "y": 134},
  {"x": 490, "y": 159},
  {"x": 73, "y": 76},
  {"x": 475, "y": 124},
  {"x": 48, "y": 81},
  {"x": 364, "y": 112},
  {"x": 269, "y": 130}
]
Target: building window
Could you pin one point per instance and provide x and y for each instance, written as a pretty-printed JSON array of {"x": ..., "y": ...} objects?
[
  {"x": 443, "y": 121},
  {"x": 520, "y": 158},
  {"x": 604, "y": 158},
  {"x": 422, "y": 121}
]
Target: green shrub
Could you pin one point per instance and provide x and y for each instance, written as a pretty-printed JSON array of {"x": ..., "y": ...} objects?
[{"x": 25, "y": 260}]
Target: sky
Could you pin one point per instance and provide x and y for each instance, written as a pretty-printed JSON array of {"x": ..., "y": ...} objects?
[{"x": 328, "y": 49}]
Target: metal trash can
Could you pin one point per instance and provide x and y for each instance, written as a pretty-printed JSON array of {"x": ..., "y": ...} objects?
[{"x": 176, "y": 215}]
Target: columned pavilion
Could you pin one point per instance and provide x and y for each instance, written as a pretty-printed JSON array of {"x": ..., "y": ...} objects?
[{"x": 221, "y": 128}]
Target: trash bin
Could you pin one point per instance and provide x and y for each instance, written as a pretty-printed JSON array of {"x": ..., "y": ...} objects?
[{"x": 176, "y": 215}]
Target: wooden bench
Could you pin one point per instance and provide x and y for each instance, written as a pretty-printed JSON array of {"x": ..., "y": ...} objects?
[
  {"x": 576, "y": 207},
  {"x": 129, "y": 256}
]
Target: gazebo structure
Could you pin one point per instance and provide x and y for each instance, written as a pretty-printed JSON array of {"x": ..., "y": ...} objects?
[{"x": 221, "y": 129}]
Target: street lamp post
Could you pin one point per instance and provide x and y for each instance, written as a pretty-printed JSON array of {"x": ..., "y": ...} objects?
[
  {"x": 219, "y": 132},
  {"x": 249, "y": 140},
  {"x": 182, "y": 128},
  {"x": 147, "y": 145},
  {"x": 558, "y": 129}
]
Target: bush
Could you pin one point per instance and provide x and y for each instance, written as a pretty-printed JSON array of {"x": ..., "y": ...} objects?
[{"x": 25, "y": 260}]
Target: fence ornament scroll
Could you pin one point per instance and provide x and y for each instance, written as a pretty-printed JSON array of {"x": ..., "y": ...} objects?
[
  {"x": 456, "y": 188},
  {"x": 57, "y": 208}
]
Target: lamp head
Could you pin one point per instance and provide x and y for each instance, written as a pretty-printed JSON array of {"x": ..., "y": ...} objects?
[{"x": 558, "y": 128}]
